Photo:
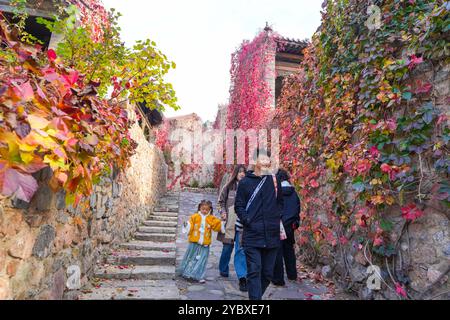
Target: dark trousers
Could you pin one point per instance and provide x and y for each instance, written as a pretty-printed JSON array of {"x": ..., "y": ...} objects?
[
  {"x": 260, "y": 265},
  {"x": 286, "y": 252}
]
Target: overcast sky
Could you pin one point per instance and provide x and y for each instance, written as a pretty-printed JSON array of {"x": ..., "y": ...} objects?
[{"x": 200, "y": 35}]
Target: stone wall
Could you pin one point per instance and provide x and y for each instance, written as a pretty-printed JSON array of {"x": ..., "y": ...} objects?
[
  {"x": 40, "y": 240},
  {"x": 423, "y": 257},
  {"x": 186, "y": 133}
]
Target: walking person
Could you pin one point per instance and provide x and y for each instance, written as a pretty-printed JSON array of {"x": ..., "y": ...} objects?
[
  {"x": 233, "y": 229},
  {"x": 258, "y": 205},
  {"x": 199, "y": 229},
  {"x": 291, "y": 221}
]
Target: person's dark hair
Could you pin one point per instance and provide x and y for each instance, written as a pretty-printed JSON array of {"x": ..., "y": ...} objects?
[
  {"x": 259, "y": 152},
  {"x": 283, "y": 175},
  {"x": 205, "y": 203},
  {"x": 233, "y": 178}
]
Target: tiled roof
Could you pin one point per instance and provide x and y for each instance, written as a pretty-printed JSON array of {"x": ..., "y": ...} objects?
[{"x": 289, "y": 45}]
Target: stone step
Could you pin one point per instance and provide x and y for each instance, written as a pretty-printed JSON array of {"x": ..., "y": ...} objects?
[
  {"x": 149, "y": 245},
  {"x": 173, "y": 207},
  {"x": 165, "y": 230},
  {"x": 133, "y": 290},
  {"x": 168, "y": 202},
  {"x": 156, "y": 223},
  {"x": 163, "y": 218},
  {"x": 142, "y": 258},
  {"x": 164, "y": 213},
  {"x": 166, "y": 208},
  {"x": 135, "y": 272},
  {"x": 154, "y": 237},
  {"x": 171, "y": 196}
]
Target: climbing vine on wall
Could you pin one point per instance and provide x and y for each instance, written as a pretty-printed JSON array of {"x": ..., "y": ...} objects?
[
  {"x": 93, "y": 16},
  {"x": 250, "y": 93},
  {"x": 55, "y": 110},
  {"x": 50, "y": 118},
  {"x": 359, "y": 128}
]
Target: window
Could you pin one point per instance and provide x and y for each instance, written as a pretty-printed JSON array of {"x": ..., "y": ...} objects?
[{"x": 32, "y": 27}]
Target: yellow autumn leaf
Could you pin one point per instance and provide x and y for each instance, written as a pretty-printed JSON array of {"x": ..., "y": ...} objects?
[
  {"x": 390, "y": 200},
  {"x": 26, "y": 157},
  {"x": 331, "y": 163},
  {"x": 378, "y": 199},
  {"x": 55, "y": 164},
  {"x": 375, "y": 182},
  {"x": 20, "y": 110},
  {"x": 437, "y": 146},
  {"x": 25, "y": 147},
  {"x": 388, "y": 62},
  {"x": 77, "y": 221},
  {"x": 37, "y": 139},
  {"x": 37, "y": 122},
  {"x": 13, "y": 148},
  {"x": 51, "y": 132}
]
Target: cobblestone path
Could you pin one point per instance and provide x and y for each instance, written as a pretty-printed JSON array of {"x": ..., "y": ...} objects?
[
  {"x": 144, "y": 267},
  {"x": 219, "y": 288}
]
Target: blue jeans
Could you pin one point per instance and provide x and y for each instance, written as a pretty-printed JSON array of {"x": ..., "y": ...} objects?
[{"x": 240, "y": 265}]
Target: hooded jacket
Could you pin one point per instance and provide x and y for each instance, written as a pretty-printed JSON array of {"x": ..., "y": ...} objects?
[
  {"x": 262, "y": 219},
  {"x": 291, "y": 206}
]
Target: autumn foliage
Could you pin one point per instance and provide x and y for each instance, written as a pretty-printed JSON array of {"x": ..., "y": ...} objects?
[
  {"x": 359, "y": 134},
  {"x": 49, "y": 117}
]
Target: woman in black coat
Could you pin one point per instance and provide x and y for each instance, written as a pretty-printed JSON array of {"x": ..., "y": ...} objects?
[{"x": 291, "y": 222}]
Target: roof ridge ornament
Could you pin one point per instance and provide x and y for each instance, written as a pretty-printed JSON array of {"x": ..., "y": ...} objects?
[{"x": 268, "y": 28}]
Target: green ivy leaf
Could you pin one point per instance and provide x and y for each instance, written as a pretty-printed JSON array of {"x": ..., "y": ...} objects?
[
  {"x": 407, "y": 95},
  {"x": 386, "y": 225}
]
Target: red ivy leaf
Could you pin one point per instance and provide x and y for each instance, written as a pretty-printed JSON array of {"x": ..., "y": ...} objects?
[
  {"x": 313, "y": 183},
  {"x": 423, "y": 88},
  {"x": 13, "y": 182},
  {"x": 51, "y": 54},
  {"x": 24, "y": 91},
  {"x": 72, "y": 77},
  {"x": 411, "y": 212},
  {"x": 414, "y": 61},
  {"x": 400, "y": 290}
]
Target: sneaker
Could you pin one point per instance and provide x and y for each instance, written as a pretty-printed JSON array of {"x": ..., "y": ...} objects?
[
  {"x": 202, "y": 281},
  {"x": 243, "y": 284},
  {"x": 223, "y": 275},
  {"x": 279, "y": 284}
]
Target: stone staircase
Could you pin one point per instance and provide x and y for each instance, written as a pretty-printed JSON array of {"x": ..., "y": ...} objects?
[{"x": 143, "y": 268}]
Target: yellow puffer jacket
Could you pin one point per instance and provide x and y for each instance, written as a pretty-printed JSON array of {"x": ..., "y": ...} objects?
[{"x": 200, "y": 228}]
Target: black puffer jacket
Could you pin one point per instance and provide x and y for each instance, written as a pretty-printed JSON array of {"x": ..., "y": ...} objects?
[
  {"x": 291, "y": 207},
  {"x": 262, "y": 220}
]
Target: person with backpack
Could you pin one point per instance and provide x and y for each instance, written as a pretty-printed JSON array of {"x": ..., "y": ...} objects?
[
  {"x": 291, "y": 222},
  {"x": 258, "y": 205}
]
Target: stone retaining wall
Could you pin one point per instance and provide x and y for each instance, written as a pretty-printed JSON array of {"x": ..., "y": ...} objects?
[{"x": 40, "y": 240}]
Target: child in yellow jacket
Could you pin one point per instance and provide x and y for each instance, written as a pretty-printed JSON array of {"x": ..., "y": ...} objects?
[{"x": 199, "y": 229}]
